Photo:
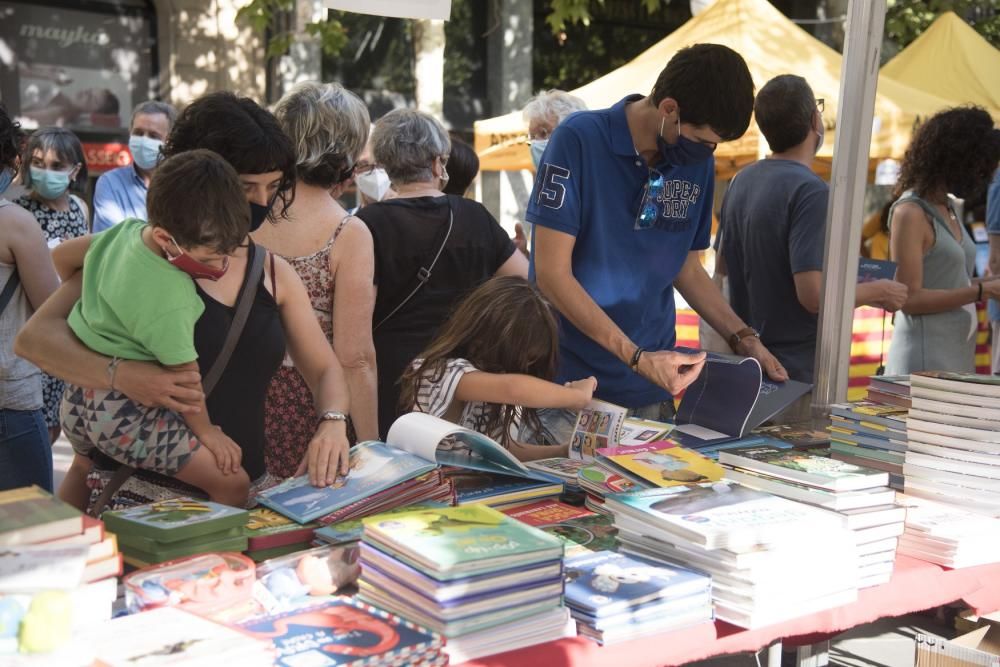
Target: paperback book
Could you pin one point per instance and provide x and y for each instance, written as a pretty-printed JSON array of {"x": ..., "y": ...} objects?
[
  {"x": 802, "y": 467},
  {"x": 30, "y": 514},
  {"x": 660, "y": 464},
  {"x": 598, "y": 425}
]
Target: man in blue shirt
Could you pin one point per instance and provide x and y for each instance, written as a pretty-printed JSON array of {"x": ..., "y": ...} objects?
[
  {"x": 622, "y": 206},
  {"x": 993, "y": 228},
  {"x": 121, "y": 192}
]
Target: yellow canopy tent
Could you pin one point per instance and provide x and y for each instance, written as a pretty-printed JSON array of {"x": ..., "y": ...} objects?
[
  {"x": 953, "y": 61},
  {"x": 771, "y": 45}
]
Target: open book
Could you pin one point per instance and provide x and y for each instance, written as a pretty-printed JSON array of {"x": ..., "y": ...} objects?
[
  {"x": 417, "y": 443},
  {"x": 598, "y": 426},
  {"x": 730, "y": 397}
]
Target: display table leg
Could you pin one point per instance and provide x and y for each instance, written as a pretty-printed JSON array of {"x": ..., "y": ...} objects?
[
  {"x": 774, "y": 654},
  {"x": 813, "y": 655}
]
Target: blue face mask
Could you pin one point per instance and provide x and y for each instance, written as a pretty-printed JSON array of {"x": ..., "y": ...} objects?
[
  {"x": 6, "y": 178},
  {"x": 537, "y": 149},
  {"x": 145, "y": 151},
  {"x": 48, "y": 183},
  {"x": 685, "y": 151}
]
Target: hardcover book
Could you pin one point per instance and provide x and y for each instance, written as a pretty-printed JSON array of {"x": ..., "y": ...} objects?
[
  {"x": 661, "y": 464},
  {"x": 344, "y": 632},
  {"x": 607, "y": 583},
  {"x": 818, "y": 471},
  {"x": 546, "y": 512},
  {"x": 460, "y": 541},
  {"x": 585, "y": 534},
  {"x": 174, "y": 520},
  {"x": 30, "y": 514},
  {"x": 266, "y": 529}
]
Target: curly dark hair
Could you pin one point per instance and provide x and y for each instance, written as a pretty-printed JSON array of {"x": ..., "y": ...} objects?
[
  {"x": 246, "y": 135},
  {"x": 11, "y": 139},
  {"x": 957, "y": 149}
]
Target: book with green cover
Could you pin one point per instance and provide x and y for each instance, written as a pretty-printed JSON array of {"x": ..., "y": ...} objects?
[
  {"x": 137, "y": 542},
  {"x": 823, "y": 472},
  {"x": 173, "y": 520},
  {"x": 30, "y": 514},
  {"x": 453, "y": 542},
  {"x": 343, "y": 532},
  {"x": 170, "y": 551},
  {"x": 585, "y": 534}
]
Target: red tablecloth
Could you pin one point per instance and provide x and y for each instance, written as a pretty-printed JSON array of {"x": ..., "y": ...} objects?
[{"x": 915, "y": 585}]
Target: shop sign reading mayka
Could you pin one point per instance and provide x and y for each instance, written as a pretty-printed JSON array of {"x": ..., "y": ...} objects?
[{"x": 66, "y": 37}]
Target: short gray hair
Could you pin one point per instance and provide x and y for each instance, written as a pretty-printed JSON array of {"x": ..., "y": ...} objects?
[
  {"x": 552, "y": 104},
  {"x": 328, "y": 126},
  {"x": 151, "y": 107},
  {"x": 405, "y": 143}
]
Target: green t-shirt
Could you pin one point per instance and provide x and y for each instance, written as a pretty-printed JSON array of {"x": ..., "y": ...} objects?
[{"x": 135, "y": 304}]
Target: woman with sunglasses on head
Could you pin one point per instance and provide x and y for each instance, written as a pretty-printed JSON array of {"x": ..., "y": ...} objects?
[
  {"x": 281, "y": 317},
  {"x": 431, "y": 249},
  {"x": 52, "y": 163},
  {"x": 331, "y": 251}
]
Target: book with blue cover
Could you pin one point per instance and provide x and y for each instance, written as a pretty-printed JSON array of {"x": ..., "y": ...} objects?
[
  {"x": 607, "y": 583},
  {"x": 454, "y": 542},
  {"x": 342, "y": 631},
  {"x": 374, "y": 467},
  {"x": 875, "y": 269}
]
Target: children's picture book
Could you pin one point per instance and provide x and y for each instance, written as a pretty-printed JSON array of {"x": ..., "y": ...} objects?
[
  {"x": 565, "y": 469},
  {"x": 661, "y": 464},
  {"x": 545, "y": 512},
  {"x": 599, "y": 425},
  {"x": 30, "y": 514},
  {"x": 343, "y": 532},
  {"x": 342, "y": 631},
  {"x": 643, "y": 431},
  {"x": 451, "y": 542},
  {"x": 600, "y": 481},
  {"x": 796, "y": 436},
  {"x": 585, "y": 534},
  {"x": 606, "y": 583},
  {"x": 175, "y": 519},
  {"x": 475, "y": 486},
  {"x": 30, "y": 568},
  {"x": 730, "y": 397},
  {"x": 799, "y": 466},
  {"x": 266, "y": 529},
  {"x": 875, "y": 269}
]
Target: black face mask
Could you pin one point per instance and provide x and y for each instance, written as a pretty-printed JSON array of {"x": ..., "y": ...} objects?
[{"x": 258, "y": 214}]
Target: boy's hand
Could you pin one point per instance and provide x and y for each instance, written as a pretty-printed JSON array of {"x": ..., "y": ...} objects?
[
  {"x": 228, "y": 454},
  {"x": 585, "y": 391}
]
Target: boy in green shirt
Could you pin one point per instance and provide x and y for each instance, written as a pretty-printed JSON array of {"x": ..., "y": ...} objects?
[{"x": 139, "y": 302}]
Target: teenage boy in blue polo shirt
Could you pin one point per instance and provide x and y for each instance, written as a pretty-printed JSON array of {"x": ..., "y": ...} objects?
[{"x": 622, "y": 205}]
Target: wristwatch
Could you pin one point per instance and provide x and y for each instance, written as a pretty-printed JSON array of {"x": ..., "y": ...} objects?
[
  {"x": 333, "y": 416},
  {"x": 746, "y": 332}
]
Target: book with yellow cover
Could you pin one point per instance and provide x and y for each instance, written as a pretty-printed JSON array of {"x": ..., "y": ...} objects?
[{"x": 661, "y": 464}]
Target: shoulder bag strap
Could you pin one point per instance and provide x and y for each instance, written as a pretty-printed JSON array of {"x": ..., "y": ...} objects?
[
  {"x": 8, "y": 290},
  {"x": 244, "y": 302},
  {"x": 424, "y": 274}
]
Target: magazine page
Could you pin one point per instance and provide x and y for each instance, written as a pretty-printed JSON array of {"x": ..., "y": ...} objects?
[
  {"x": 435, "y": 439},
  {"x": 598, "y": 426},
  {"x": 723, "y": 396}
]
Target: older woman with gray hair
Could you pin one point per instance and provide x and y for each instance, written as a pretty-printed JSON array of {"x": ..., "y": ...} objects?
[
  {"x": 331, "y": 251},
  {"x": 431, "y": 249}
]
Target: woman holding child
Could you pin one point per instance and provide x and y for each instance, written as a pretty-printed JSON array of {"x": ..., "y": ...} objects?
[{"x": 250, "y": 140}]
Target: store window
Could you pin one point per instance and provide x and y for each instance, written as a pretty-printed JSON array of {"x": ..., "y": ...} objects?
[{"x": 83, "y": 65}]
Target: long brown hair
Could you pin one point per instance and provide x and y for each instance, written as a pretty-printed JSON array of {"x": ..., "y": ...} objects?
[{"x": 504, "y": 326}]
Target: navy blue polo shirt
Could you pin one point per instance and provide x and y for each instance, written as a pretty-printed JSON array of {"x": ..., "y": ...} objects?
[{"x": 590, "y": 185}]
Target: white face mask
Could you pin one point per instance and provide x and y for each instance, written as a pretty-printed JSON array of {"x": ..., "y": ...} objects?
[
  {"x": 373, "y": 184},
  {"x": 537, "y": 147},
  {"x": 145, "y": 151}
]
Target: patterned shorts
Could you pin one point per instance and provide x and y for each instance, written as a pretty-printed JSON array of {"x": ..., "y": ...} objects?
[{"x": 154, "y": 439}]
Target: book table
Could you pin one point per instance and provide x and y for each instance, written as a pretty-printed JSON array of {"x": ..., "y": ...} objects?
[{"x": 915, "y": 585}]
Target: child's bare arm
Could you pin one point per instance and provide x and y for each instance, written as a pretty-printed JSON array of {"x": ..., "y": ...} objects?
[
  {"x": 227, "y": 453},
  {"x": 526, "y": 452},
  {"x": 524, "y": 390}
]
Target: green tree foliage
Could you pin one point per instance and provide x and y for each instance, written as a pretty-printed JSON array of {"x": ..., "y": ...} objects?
[
  {"x": 270, "y": 18},
  {"x": 905, "y": 20},
  {"x": 564, "y": 13}
]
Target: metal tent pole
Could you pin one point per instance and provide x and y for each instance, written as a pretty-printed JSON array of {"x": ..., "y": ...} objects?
[{"x": 855, "y": 112}]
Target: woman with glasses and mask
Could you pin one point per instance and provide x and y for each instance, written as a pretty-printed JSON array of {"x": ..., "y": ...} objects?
[
  {"x": 431, "y": 249},
  {"x": 280, "y": 318},
  {"x": 331, "y": 251},
  {"x": 52, "y": 163}
]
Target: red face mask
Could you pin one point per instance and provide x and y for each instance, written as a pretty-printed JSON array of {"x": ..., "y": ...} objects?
[{"x": 193, "y": 267}]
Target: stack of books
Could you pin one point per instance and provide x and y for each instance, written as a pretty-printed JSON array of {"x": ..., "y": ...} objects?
[
  {"x": 597, "y": 481},
  {"x": 659, "y": 464},
  {"x": 475, "y": 487},
  {"x": 615, "y": 597},
  {"x": 762, "y": 552},
  {"x": 58, "y": 572},
  {"x": 169, "y": 529},
  {"x": 342, "y": 631},
  {"x": 270, "y": 535},
  {"x": 859, "y": 496},
  {"x": 890, "y": 390},
  {"x": 487, "y": 582},
  {"x": 947, "y": 535},
  {"x": 954, "y": 440},
  {"x": 872, "y": 435},
  {"x": 564, "y": 469},
  {"x": 581, "y": 530}
]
